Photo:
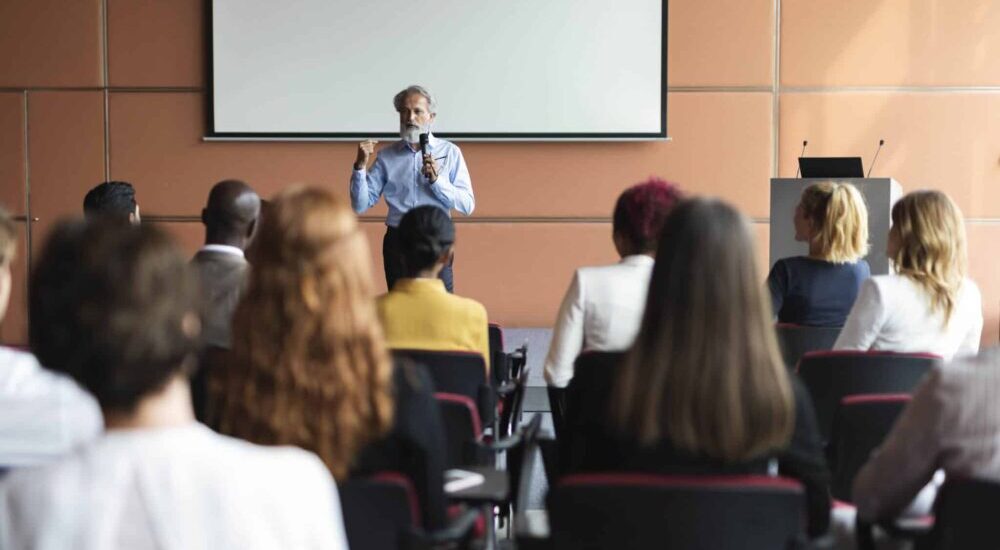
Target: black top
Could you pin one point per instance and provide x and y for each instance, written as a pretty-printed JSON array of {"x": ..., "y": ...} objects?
[
  {"x": 816, "y": 293},
  {"x": 592, "y": 448},
  {"x": 416, "y": 445}
]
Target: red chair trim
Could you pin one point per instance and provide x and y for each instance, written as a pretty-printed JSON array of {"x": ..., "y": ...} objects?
[
  {"x": 685, "y": 481},
  {"x": 469, "y": 404},
  {"x": 859, "y": 399},
  {"x": 869, "y": 353},
  {"x": 411, "y": 492}
]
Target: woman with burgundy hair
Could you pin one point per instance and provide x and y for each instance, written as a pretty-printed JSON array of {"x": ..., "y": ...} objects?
[{"x": 603, "y": 307}]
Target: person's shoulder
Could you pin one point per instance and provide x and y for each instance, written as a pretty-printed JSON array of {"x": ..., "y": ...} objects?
[
  {"x": 971, "y": 289},
  {"x": 281, "y": 464}
]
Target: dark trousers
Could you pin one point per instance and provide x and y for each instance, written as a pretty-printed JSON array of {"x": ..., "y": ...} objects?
[{"x": 392, "y": 262}]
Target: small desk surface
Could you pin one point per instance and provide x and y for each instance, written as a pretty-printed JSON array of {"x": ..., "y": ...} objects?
[{"x": 495, "y": 487}]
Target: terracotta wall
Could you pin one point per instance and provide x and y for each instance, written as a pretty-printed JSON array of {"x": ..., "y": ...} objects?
[{"x": 96, "y": 89}]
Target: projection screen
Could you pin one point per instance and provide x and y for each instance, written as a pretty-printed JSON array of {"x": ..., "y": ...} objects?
[{"x": 499, "y": 70}]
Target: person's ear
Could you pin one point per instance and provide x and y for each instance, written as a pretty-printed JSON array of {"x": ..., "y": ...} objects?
[
  {"x": 447, "y": 256},
  {"x": 251, "y": 228},
  {"x": 204, "y": 216}
]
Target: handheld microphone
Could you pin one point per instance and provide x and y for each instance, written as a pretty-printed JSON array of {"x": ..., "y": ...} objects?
[
  {"x": 881, "y": 142},
  {"x": 424, "y": 140},
  {"x": 801, "y": 154}
]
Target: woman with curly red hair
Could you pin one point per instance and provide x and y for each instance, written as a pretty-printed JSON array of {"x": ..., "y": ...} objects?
[{"x": 603, "y": 306}]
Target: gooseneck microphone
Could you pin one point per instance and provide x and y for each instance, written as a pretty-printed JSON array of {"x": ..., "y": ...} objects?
[
  {"x": 801, "y": 154},
  {"x": 881, "y": 142}
]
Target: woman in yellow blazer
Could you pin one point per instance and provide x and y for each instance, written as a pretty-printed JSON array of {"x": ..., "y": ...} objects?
[{"x": 418, "y": 313}]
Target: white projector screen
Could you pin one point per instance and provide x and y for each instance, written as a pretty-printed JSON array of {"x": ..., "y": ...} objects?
[{"x": 515, "y": 69}]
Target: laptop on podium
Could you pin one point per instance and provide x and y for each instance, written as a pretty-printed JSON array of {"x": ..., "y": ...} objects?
[{"x": 831, "y": 167}]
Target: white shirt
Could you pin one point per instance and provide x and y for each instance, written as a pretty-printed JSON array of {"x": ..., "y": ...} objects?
[
  {"x": 224, "y": 249},
  {"x": 893, "y": 313},
  {"x": 179, "y": 488},
  {"x": 43, "y": 414},
  {"x": 602, "y": 311}
]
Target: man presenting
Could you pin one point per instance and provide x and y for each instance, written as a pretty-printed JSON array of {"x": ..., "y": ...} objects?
[{"x": 410, "y": 173}]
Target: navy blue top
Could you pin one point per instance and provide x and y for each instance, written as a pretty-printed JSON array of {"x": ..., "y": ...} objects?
[{"x": 815, "y": 293}]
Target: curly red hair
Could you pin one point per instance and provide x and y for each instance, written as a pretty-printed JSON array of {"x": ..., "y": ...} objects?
[{"x": 641, "y": 210}]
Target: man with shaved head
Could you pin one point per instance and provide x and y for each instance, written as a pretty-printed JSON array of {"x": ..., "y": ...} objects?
[{"x": 229, "y": 217}]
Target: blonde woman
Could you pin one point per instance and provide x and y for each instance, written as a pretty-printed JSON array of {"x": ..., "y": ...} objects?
[
  {"x": 309, "y": 366},
  {"x": 703, "y": 389},
  {"x": 928, "y": 305},
  {"x": 819, "y": 289}
]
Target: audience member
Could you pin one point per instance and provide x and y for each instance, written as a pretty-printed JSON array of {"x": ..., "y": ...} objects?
[
  {"x": 703, "y": 390},
  {"x": 112, "y": 199},
  {"x": 116, "y": 310},
  {"x": 309, "y": 366},
  {"x": 951, "y": 424},
  {"x": 927, "y": 305},
  {"x": 418, "y": 313},
  {"x": 819, "y": 289},
  {"x": 45, "y": 414},
  {"x": 229, "y": 217},
  {"x": 603, "y": 306}
]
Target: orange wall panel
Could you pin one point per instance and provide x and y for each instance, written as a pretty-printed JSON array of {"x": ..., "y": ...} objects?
[
  {"x": 948, "y": 141},
  {"x": 984, "y": 269},
  {"x": 890, "y": 42},
  {"x": 66, "y": 154},
  {"x": 12, "y": 192},
  {"x": 720, "y": 43},
  {"x": 51, "y": 43},
  {"x": 156, "y": 43},
  {"x": 721, "y": 145}
]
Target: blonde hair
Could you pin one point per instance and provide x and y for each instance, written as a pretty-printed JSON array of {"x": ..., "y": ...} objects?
[
  {"x": 8, "y": 238},
  {"x": 705, "y": 370},
  {"x": 309, "y": 366},
  {"x": 932, "y": 251},
  {"x": 839, "y": 213}
]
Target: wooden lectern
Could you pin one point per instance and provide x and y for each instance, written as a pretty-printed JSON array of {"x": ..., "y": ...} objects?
[{"x": 880, "y": 194}]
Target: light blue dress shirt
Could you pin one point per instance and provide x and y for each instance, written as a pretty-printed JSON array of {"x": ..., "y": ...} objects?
[{"x": 396, "y": 174}]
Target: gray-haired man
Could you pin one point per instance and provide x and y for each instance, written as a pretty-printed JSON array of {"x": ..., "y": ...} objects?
[{"x": 409, "y": 177}]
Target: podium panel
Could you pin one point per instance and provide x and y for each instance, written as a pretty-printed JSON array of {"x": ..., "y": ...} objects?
[{"x": 879, "y": 193}]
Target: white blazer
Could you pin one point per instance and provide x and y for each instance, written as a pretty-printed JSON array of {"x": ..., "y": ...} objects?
[
  {"x": 602, "y": 311},
  {"x": 894, "y": 313}
]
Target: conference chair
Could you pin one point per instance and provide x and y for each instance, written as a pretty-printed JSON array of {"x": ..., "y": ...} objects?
[
  {"x": 382, "y": 512},
  {"x": 830, "y": 376},
  {"x": 860, "y": 425},
  {"x": 586, "y": 402},
  {"x": 966, "y": 516},
  {"x": 629, "y": 511},
  {"x": 797, "y": 340},
  {"x": 511, "y": 403},
  {"x": 457, "y": 372},
  {"x": 529, "y": 534}
]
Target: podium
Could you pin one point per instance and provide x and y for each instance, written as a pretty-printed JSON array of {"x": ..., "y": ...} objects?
[{"x": 880, "y": 194}]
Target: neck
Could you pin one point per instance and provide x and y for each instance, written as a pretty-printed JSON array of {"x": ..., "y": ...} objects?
[
  {"x": 171, "y": 406},
  {"x": 815, "y": 251},
  {"x": 238, "y": 242}
]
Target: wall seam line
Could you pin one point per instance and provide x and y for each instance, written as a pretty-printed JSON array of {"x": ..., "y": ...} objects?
[
  {"x": 27, "y": 205},
  {"x": 776, "y": 92},
  {"x": 107, "y": 84}
]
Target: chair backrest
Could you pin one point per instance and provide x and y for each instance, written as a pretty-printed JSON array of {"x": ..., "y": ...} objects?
[
  {"x": 797, "y": 340},
  {"x": 462, "y": 428},
  {"x": 631, "y": 511},
  {"x": 860, "y": 424},
  {"x": 831, "y": 376},
  {"x": 966, "y": 515},
  {"x": 586, "y": 400},
  {"x": 457, "y": 372},
  {"x": 380, "y": 512}
]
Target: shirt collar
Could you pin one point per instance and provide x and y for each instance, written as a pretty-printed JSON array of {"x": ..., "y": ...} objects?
[
  {"x": 638, "y": 260},
  {"x": 223, "y": 249},
  {"x": 420, "y": 284}
]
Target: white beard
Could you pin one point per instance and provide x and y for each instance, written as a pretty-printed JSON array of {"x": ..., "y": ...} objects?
[{"x": 410, "y": 134}]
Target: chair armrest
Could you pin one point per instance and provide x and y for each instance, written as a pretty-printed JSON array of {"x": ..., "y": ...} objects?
[
  {"x": 458, "y": 529},
  {"x": 505, "y": 389}
]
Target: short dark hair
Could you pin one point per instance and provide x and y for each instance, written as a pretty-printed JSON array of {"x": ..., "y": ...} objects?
[
  {"x": 108, "y": 307},
  {"x": 640, "y": 211},
  {"x": 114, "y": 199},
  {"x": 425, "y": 233}
]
